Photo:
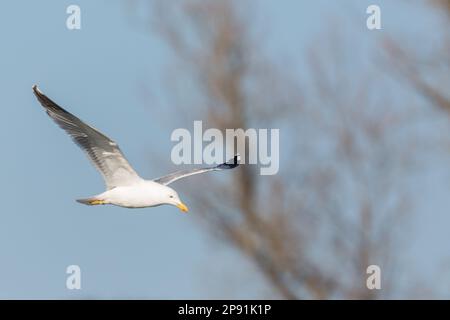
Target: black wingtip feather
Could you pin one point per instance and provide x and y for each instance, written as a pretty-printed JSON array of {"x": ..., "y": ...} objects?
[
  {"x": 36, "y": 90},
  {"x": 230, "y": 164},
  {"x": 39, "y": 95},
  {"x": 48, "y": 103}
]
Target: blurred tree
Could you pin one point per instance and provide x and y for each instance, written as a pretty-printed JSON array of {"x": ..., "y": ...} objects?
[
  {"x": 335, "y": 207},
  {"x": 444, "y": 4},
  {"x": 428, "y": 72}
]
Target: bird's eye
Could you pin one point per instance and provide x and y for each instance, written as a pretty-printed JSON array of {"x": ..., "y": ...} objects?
[{"x": 170, "y": 196}]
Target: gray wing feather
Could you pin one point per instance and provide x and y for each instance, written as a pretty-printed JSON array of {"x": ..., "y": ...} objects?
[
  {"x": 104, "y": 153},
  {"x": 172, "y": 177}
]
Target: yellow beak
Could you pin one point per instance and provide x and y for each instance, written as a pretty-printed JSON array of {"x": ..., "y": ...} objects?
[{"x": 182, "y": 207}]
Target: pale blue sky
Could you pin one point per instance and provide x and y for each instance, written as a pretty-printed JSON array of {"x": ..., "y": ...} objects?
[{"x": 95, "y": 73}]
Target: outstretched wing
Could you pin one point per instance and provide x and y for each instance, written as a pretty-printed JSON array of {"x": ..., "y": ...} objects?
[
  {"x": 233, "y": 163},
  {"x": 102, "y": 151}
]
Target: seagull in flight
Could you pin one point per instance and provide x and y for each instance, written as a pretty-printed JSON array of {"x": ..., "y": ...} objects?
[{"x": 124, "y": 187}]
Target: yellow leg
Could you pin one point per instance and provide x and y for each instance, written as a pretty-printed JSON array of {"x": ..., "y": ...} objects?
[{"x": 96, "y": 202}]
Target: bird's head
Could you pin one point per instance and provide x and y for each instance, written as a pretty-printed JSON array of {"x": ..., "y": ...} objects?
[{"x": 171, "y": 197}]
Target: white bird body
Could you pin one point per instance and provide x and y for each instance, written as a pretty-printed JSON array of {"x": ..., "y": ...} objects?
[
  {"x": 145, "y": 193},
  {"x": 124, "y": 187}
]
